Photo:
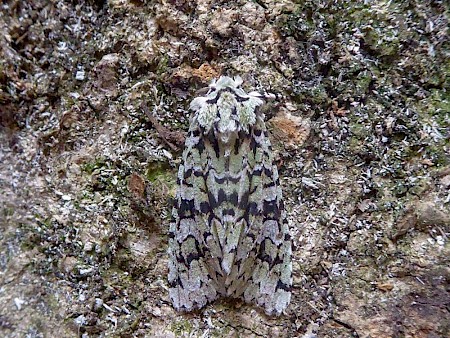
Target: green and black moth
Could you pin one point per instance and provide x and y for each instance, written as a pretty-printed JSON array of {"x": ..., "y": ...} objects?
[{"x": 229, "y": 236}]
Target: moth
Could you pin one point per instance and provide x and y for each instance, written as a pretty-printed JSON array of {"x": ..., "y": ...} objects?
[{"x": 229, "y": 236}]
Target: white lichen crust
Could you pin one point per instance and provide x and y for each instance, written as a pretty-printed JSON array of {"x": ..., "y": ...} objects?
[{"x": 229, "y": 237}]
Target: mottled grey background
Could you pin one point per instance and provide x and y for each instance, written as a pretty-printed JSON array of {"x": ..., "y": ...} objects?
[{"x": 360, "y": 128}]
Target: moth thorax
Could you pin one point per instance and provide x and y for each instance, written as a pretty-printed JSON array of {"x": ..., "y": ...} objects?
[
  {"x": 228, "y": 138},
  {"x": 227, "y": 125}
]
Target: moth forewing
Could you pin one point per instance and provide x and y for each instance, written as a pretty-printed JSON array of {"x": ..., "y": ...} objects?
[{"x": 229, "y": 237}]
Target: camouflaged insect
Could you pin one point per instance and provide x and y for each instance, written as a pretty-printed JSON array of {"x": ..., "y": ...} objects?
[{"x": 229, "y": 237}]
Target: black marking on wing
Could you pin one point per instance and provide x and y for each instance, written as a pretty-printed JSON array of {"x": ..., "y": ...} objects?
[
  {"x": 185, "y": 208},
  {"x": 214, "y": 143},
  {"x": 282, "y": 286}
]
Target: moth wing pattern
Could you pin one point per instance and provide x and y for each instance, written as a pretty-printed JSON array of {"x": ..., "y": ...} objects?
[
  {"x": 269, "y": 280},
  {"x": 190, "y": 275},
  {"x": 229, "y": 236}
]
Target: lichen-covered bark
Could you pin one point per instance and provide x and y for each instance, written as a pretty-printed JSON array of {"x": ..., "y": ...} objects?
[{"x": 360, "y": 128}]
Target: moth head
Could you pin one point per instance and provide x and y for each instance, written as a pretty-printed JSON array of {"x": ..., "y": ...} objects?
[{"x": 226, "y": 109}]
